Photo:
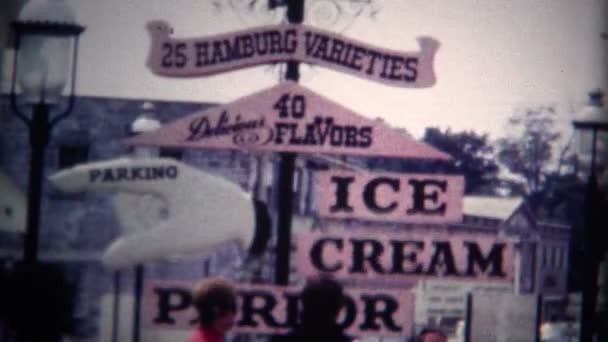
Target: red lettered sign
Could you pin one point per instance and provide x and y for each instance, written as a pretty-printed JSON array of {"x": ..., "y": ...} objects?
[
  {"x": 387, "y": 196},
  {"x": 268, "y": 309}
]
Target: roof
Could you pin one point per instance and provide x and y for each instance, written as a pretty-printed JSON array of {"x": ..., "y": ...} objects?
[{"x": 492, "y": 207}]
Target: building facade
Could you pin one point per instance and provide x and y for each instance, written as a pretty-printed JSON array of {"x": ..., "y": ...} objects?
[{"x": 76, "y": 228}]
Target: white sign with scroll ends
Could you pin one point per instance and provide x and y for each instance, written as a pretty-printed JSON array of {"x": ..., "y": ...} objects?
[{"x": 201, "y": 56}]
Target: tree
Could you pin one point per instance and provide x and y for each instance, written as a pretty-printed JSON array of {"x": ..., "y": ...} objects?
[
  {"x": 473, "y": 157},
  {"x": 527, "y": 151}
]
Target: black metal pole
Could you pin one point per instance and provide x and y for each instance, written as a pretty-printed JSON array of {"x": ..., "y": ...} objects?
[
  {"x": 116, "y": 307},
  {"x": 137, "y": 294},
  {"x": 468, "y": 317},
  {"x": 39, "y": 137},
  {"x": 539, "y": 314},
  {"x": 30, "y": 299},
  {"x": 284, "y": 193},
  {"x": 591, "y": 257},
  {"x": 284, "y": 207},
  {"x": 591, "y": 252}
]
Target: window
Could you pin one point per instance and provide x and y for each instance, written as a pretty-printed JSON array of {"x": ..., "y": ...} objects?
[
  {"x": 70, "y": 154},
  {"x": 550, "y": 281},
  {"x": 214, "y": 158},
  {"x": 174, "y": 153},
  {"x": 71, "y": 149}
]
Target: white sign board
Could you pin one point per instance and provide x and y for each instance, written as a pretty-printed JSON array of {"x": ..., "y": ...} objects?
[{"x": 504, "y": 317}]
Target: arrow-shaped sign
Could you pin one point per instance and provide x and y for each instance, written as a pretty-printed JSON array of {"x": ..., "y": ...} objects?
[{"x": 167, "y": 208}]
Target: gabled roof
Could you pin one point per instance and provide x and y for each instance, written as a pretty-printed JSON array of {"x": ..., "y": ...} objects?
[{"x": 494, "y": 207}]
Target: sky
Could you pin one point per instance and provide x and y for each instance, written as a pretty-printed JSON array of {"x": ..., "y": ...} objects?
[{"x": 496, "y": 57}]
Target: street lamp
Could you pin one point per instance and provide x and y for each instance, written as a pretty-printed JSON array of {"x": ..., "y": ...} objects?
[
  {"x": 592, "y": 119},
  {"x": 46, "y": 46}
]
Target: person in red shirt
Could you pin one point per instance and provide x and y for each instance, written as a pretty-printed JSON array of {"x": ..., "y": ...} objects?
[{"x": 215, "y": 302}]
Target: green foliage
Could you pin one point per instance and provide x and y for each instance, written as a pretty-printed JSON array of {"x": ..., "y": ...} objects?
[
  {"x": 473, "y": 157},
  {"x": 527, "y": 151}
]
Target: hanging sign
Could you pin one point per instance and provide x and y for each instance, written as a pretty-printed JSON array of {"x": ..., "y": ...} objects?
[
  {"x": 396, "y": 197},
  {"x": 268, "y": 309},
  {"x": 287, "y": 117},
  {"x": 165, "y": 207},
  {"x": 180, "y": 57},
  {"x": 373, "y": 254}
]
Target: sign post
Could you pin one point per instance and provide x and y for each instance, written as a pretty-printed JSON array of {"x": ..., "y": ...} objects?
[
  {"x": 295, "y": 15},
  {"x": 289, "y": 119}
]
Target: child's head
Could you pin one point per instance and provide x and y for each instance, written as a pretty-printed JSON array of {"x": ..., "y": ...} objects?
[{"x": 215, "y": 301}]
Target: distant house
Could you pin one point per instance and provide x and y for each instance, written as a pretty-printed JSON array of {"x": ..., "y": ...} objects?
[
  {"x": 547, "y": 266},
  {"x": 541, "y": 261}
]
